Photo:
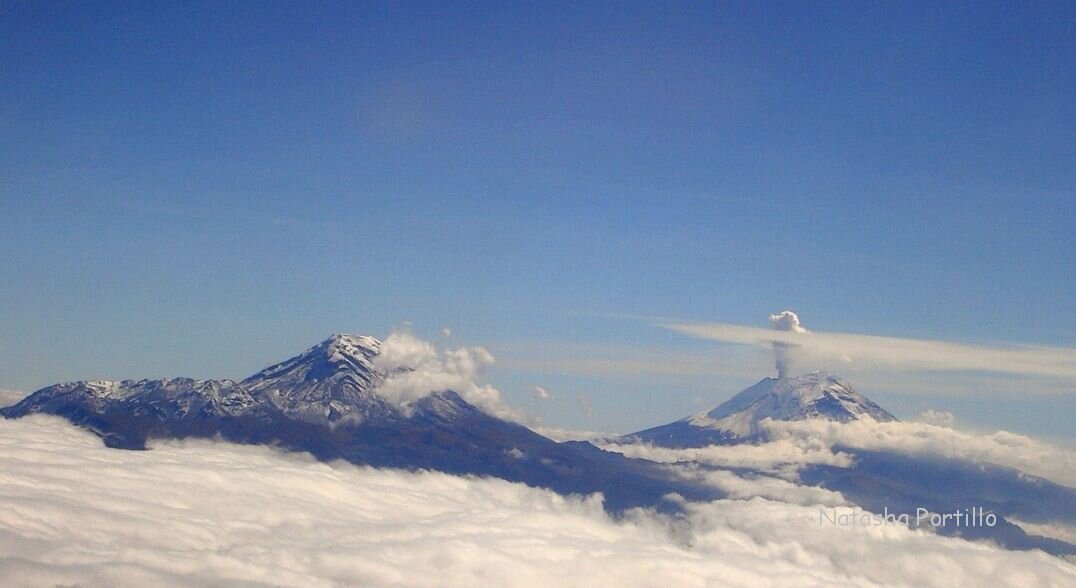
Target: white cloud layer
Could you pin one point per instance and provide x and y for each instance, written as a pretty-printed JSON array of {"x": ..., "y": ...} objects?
[
  {"x": 731, "y": 368},
  {"x": 1061, "y": 531},
  {"x": 797, "y": 443},
  {"x": 786, "y": 451},
  {"x": 938, "y": 418},
  {"x": 212, "y": 514},
  {"x": 779, "y": 460},
  {"x": 561, "y": 434},
  {"x": 771, "y": 487},
  {"x": 1002, "y": 448},
  {"x": 830, "y": 350}
]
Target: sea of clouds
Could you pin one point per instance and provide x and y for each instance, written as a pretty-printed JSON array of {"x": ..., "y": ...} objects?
[
  {"x": 792, "y": 444},
  {"x": 201, "y": 513}
]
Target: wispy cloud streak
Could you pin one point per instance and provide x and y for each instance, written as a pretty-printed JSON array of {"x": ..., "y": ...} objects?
[{"x": 832, "y": 350}]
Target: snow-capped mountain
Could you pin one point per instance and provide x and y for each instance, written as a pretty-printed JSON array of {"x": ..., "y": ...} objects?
[
  {"x": 879, "y": 480},
  {"x": 330, "y": 382},
  {"x": 325, "y": 401},
  {"x": 178, "y": 398},
  {"x": 817, "y": 395}
]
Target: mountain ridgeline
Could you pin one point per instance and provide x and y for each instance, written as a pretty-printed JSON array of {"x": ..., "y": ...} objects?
[{"x": 324, "y": 402}]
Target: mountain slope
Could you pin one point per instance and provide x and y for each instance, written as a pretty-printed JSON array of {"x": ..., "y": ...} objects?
[
  {"x": 817, "y": 395},
  {"x": 325, "y": 402},
  {"x": 904, "y": 483},
  {"x": 331, "y": 382}
]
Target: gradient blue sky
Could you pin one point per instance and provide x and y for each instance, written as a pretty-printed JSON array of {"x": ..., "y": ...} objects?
[{"x": 204, "y": 189}]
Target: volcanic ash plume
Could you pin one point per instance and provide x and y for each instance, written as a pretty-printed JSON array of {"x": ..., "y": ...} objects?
[{"x": 782, "y": 352}]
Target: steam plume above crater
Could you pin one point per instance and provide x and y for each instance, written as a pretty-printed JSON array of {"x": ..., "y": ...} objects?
[{"x": 788, "y": 321}]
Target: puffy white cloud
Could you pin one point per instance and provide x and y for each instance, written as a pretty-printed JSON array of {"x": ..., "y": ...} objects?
[
  {"x": 416, "y": 368},
  {"x": 540, "y": 393},
  {"x": 198, "y": 513},
  {"x": 786, "y": 320},
  {"x": 938, "y": 418},
  {"x": 403, "y": 350}
]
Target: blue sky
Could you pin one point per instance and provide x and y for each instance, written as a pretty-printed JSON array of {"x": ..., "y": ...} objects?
[{"x": 207, "y": 188}]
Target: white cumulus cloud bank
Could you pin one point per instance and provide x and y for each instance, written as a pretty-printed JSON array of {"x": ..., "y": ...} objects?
[
  {"x": 416, "y": 368},
  {"x": 1002, "y": 447},
  {"x": 199, "y": 513},
  {"x": 793, "y": 444},
  {"x": 777, "y": 464}
]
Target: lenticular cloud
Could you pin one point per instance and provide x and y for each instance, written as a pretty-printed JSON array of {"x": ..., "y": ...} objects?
[{"x": 212, "y": 514}]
